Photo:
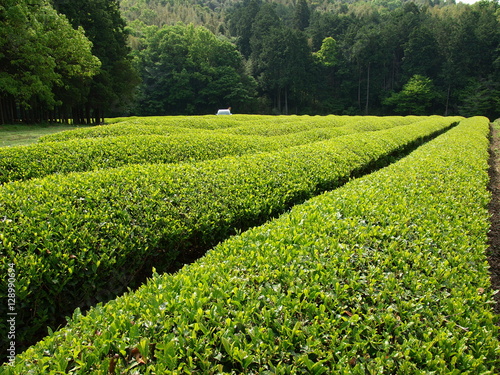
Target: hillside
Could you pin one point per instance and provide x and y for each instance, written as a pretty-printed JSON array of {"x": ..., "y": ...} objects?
[
  {"x": 212, "y": 13},
  {"x": 323, "y": 57},
  {"x": 289, "y": 57}
]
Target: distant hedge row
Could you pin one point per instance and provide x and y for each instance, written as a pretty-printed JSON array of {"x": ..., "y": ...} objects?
[
  {"x": 360, "y": 123},
  {"x": 80, "y": 155},
  {"x": 84, "y": 237},
  {"x": 386, "y": 275},
  {"x": 236, "y": 124},
  {"x": 167, "y": 125}
]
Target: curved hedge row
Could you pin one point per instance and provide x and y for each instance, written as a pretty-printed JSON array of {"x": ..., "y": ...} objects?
[
  {"x": 132, "y": 127},
  {"x": 384, "y": 275},
  {"x": 237, "y": 124},
  {"x": 84, "y": 237},
  {"x": 360, "y": 123},
  {"x": 165, "y": 125},
  {"x": 80, "y": 155}
]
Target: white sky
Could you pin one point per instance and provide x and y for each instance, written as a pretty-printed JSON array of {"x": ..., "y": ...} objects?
[{"x": 467, "y": 1}]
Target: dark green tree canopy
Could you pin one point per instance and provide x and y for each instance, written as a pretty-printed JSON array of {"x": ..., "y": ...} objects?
[
  {"x": 188, "y": 70},
  {"x": 416, "y": 97},
  {"x": 301, "y": 15},
  {"x": 114, "y": 86},
  {"x": 42, "y": 56},
  {"x": 291, "y": 56}
]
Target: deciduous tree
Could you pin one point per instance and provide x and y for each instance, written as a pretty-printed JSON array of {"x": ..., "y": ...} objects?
[{"x": 41, "y": 57}]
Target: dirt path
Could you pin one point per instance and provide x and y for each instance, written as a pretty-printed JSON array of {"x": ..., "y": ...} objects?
[{"x": 494, "y": 208}]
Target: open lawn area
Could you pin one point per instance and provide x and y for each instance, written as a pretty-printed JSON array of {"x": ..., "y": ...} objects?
[{"x": 16, "y": 135}]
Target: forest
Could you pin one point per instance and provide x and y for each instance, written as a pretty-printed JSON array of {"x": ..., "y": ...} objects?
[{"x": 79, "y": 62}]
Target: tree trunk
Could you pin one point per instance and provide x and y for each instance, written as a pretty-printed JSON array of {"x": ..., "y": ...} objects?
[
  {"x": 367, "y": 89},
  {"x": 447, "y": 100},
  {"x": 87, "y": 114},
  {"x": 279, "y": 100},
  {"x": 286, "y": 101},
  {"x": 359, "y": 89},
  {"x": 2, "y": 119}
]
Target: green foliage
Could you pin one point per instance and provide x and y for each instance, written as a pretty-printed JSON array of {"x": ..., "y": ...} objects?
[
  {"x": 85, "y": 237},
  {"x": 481, "y": 97},
  {"x": 415, "y": 98},
  {"x": 282, "y": 65},
  {"x": 112, "y": 89},
  {"x": 187, "y": 70},
  {"x": 41, "y": 53},
  {"x": 327, "y": 55},
  {"x": 48, "y": 72},
  {"x": 387, "y": 274},
  {"x": 301, "y": 15},
  {"x": 145, "y": 143},
  {"x": 382, "y": 44}
]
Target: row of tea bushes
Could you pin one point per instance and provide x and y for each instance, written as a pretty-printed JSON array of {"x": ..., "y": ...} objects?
[
  {"x": 166, "y": 125},
  {"x": 134, "y": 127},
  {"x": 84, "y": 237},
  {"x": 79, "y": 155},
  {"x": 359, "y": 123},
  {"x": 211, "y": 122},
  {"x": 385, "y": 275},
  {"x": 237, "y": 124}
]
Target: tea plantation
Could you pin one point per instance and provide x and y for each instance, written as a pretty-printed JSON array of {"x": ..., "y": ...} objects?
[{"x": 375, "y": 265}]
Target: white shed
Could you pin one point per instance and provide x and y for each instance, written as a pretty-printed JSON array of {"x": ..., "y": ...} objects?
[{"x": 224, "y": 111}]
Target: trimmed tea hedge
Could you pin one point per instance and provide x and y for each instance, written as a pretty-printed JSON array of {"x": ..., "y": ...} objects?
[
  {"x": 132, "y": 127},
  {"x": 166, "y": 125},
  {"x": 83, "y": 237},
  {"x": 39, "y": 160},
  {"x": 386, "y": 275},
  {"x": 358, "y": 123},
  {"x": 79, "y": 155},
  {"x": 236, "y": 124}
]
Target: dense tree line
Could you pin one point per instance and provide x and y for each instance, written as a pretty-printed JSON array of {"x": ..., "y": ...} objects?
[
  {"x": 111, "y": 90},
  {"x": 63, "y": 60},
  {"x": 188, "y": 70},
  {"x": 45, "y": 63},
  {"x": 379, "y": 57},
  {"x": 416, "y": 59}
]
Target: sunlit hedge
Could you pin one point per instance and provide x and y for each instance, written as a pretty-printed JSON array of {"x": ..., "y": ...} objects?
[
  {"x": 236, "y": 124},
  {"x": 175, "y": 145},
  {"x": 84, "y": 237},
  {"x": 386, "y": 275}
]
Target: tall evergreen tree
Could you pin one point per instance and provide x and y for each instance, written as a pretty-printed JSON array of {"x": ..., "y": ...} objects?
[
  {"x": 301, "y": 15},
  {"x": 115, "y": 84},
  {"x": 241, "y": 19}
]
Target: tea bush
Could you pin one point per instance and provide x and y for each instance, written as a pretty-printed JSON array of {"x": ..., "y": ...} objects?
[
  {"x": 85, "y": 237},
  {"x": 236, "y": 124},
  {"x": 167, "y": 125},
  {"x": 79, "y": 155},
  {"x": 357, "y": 123},
  {"x": 385, "y": 275}
]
